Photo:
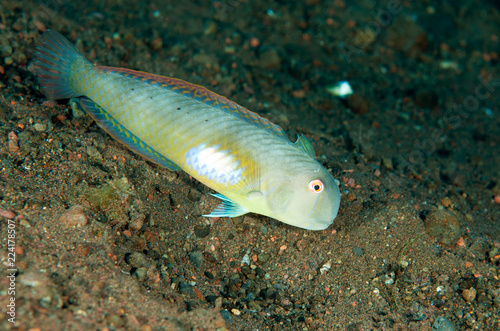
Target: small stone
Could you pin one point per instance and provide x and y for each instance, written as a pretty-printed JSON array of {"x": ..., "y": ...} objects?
[
  {"x": 74, "y": 217},
  {"x": 196, "y": 258},
  {"x": 444, "y": 225},
  {"x": 94, "y": 153},
  {"x": 235, "y": 311},
  {"x": 459, "y": 313},
  {"x": 263, "y": 257},
  {"x": 137, "y": 260},
  {"x": 52, "y": 298},
  {"x": 446, "y": 202},
  {"x": 39, "y": 127},
  {"x": 201, "y": 231},
  {"x": 301, "y": 245},
  {"x": 469, "y": 295},
  {"x": 6, "y": 50},
  {"x": 13, "y": 142},
  {"x": 7, "y": 214},
  {"x": 403, "y": 263},
  {"x": 171, "y": 176},
  {"x": 25, "y": 223},
  {"x": 226, "y": 315},
  {"x": 387, "y": 161},
  {"x": 351, "y": 196},
  {"x": 252, "y": 305},
  {"x": 83, "y": 250},
  {"x": 443, "y": 324},
  {"x": 43, "y": 289},
  {"x": 137, "y": 223},
  {"x": 218, "y": 303},
  {"x": 140, "y": 273},
  {"x": 208, "y": 60},
  {"x": 421, "y": 295},
  {"x": 358, "y": 251},
  {"x": 114, "y": 320},
  {"x": 194, "y": 195},
  {"x": 211, "y": 28},
  {"x": 270, "y": 60},
  {"x": 357, "y": 103},
  {"x": 407, "y": 36}
]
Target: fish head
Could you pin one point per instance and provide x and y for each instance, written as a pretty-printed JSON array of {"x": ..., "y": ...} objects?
[{"x": 308, "y": 199}]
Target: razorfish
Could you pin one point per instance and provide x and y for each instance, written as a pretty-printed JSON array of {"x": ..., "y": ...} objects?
[{"x": 248, "y": 160}]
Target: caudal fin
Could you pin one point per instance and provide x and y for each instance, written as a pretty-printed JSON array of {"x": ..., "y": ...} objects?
[{"x": 56, "y": 59}]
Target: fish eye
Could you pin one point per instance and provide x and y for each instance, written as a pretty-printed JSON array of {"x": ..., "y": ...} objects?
[{"x": 316, "y": 186}]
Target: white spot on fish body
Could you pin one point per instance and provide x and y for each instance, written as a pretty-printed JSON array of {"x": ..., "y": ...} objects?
[{"x": 215, "y": 164}]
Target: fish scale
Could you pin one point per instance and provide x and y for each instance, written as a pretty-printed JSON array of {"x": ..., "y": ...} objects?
[{"x": 248, "y": 160}]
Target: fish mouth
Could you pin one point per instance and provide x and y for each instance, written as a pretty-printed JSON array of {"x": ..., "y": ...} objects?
[{"x": 319, "y": 224}]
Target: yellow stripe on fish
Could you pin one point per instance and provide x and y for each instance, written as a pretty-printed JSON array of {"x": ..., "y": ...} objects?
[{"x": 247, "y": 159}]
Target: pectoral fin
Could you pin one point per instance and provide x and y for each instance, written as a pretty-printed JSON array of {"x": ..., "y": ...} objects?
[{"x": 227, "y": 208}]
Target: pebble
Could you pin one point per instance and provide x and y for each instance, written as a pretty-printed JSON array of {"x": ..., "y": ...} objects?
[
  {"x": 137, "y": 260},
  {"x": 7, "y": 214},
  {"x": 140, "y": 273},
  {"x": 137, "y": 223},
  {"x": 358, "y": 251},
  {"x": 6, "y": 50},
  {"x": 226, "y": 315},
  {"x": 252, "y": 305},
  {"x": 13, "y": 142},
  {"x": 263, "y": 257},
  {"x": 93, "y": 153},
  {"x": 83, "y": 250},
  {"x": 387, "y": 161},
  {"x": 357, "y": 103},
  {"x": 443, "y": 324},
  {"x": 469, "y": 295},
  {"x": 201, "y": 231},
  {"x": 39, "y": 127},
  {"x": 245, "y": 260},
  {"x": 236, "y": 312},
  {"x": 444, "y": 225},
  {"x": 194, "y": 195},
  {"x": 43, "y": 289},
  {"x": 270, "y": 60},
  {"x": 74, "y": 217},
  {"x": 407, "y": 36},
  {"x": 196, "y": 258}
]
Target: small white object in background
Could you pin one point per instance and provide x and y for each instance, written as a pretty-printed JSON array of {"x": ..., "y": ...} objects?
[{"x": 341, "y": 89}]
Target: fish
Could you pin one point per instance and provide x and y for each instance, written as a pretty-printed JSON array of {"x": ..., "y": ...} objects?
[{"x": 247, "y": 160}]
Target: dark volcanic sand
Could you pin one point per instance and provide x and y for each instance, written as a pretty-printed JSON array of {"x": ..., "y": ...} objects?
[{"x": 105, "y": 240}]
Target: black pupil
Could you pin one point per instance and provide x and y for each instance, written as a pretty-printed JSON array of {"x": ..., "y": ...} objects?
[{"x": 316, "y": 187}]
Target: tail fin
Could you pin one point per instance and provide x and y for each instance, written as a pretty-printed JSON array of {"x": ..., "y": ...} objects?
[{"x": 56, "y": 60}]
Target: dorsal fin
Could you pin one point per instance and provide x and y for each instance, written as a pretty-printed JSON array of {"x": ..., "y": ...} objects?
[
  {"x": 305, "y": 144},
  {"x": 201, "y": 94}
]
